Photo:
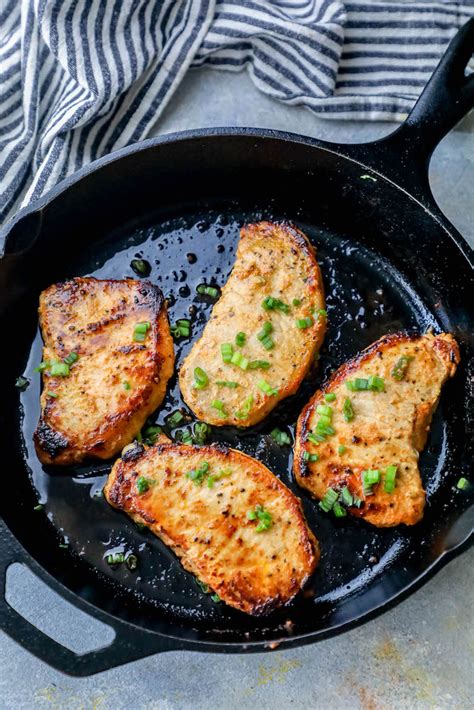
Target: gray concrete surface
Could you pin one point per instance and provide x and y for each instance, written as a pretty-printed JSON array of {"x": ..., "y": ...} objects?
[{"x": 418, "y": 655}]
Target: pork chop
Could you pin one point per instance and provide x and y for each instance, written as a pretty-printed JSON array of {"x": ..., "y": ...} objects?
[
  {"x": 264, "y": 331},
  {"x": 108, "y": 355},
  {"x": 231, "y": 522},
  {"x": 358, "y": 439}
]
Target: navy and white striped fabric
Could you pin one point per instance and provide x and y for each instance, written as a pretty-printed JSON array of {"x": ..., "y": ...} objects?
[{"x": 81, "y": 78}]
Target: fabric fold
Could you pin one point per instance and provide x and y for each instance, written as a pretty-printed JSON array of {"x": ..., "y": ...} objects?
[{"x": 82, "y": 78}]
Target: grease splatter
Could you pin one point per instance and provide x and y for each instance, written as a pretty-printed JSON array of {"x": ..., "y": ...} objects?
[{"x": 276, "y": 672}]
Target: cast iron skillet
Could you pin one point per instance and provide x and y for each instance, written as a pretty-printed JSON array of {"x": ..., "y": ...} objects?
[{"x": 390, "y": 260}]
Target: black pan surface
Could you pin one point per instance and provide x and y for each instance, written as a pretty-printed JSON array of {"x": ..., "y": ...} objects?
[
  {"x": 364, "y": 301},
  {"x": 389, "y": 262}
]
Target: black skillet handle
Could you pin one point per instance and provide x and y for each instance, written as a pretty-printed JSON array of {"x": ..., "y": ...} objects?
[
  {"x": 130, "y": 643},
  {"x": 404, "y": 155}
]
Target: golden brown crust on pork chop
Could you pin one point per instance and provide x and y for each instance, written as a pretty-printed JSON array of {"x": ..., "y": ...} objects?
[
  {"x": 273, "y": 260},
  {"x": 116, "y": 383},
  {"x": 389, "y": 428},
  {"x": 206, "y": 522}
]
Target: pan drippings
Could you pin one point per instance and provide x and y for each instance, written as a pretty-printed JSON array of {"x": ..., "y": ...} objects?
[{"x": 365, "y": 298}]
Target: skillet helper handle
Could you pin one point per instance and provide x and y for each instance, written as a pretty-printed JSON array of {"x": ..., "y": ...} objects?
[
  {"x": 404, "y": 155},
  {"x": 130, "y": 643}
]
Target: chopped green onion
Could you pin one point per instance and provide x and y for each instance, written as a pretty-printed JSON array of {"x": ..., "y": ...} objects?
[
  {"x": 205, "y": 290},
  {"x": 259, "y": 365},
  {"x": 219, "y": 405},
  {"x": 140, "y": 331},
  {"x": 42, "y": 366},
  {"x": 369, "y": 479},
  {"x": 400, "y": 368},
  {"x": 303, "y": 323},
  {"x": 330, "y": 497},
  {"x": 141, "y": 267},
  {"x": 280, "y": 437},
  {"x": 52, "y": 394},
  {"x": 322, "y": 312},
  {"x": 182, "y": 329},
  {"x": 203, "y": 586},
  {"x": 323, "y": 428},
  {"x": 348, "y": 410},
  {"x": 338, "y": 510},
  {"x": 127, "y": 385},
  {"x": 245, "y": 409},
  {"x": 71, "y": 358},
  {"x": 226, "y": 352},
  {"x": 180, "y": 332},
  {"x": 267, "y": 328},
  {"x": 376, "y": 383},
  {"x": 201, "y": 378},
  {"x": 296, "y": 302},
  {"x": 268, "y": 343},
  {"x": 223, "y": 473},
  {"x": 142, "y": 327},
  {"x": 201, "y": 430},
  {"x": 198, "y": 475},
  {"x": 264, "y": 517},
  {"x": 329, "y": 397},
  {"x": 368, "y": 177},
  {"x": 462, "y": 484},
  {"x": 227, "y": 383},
  {"x": 21, "y": 383},
  {"x": 264, "y": 524},
  {"x": 274, "y": 304},
  {"x": 323, "y": 422},
  {"x": 389, "y": 480},
  {"x": 346, "y": 496},
  {"x": 185, "y": 437},
  {"x": 132, "y": 562},
  {"x": 359, "y": 384},
  {"x": 143, "y": 484},
  {"x": 311, "y": 458},
  {"x": 215, "y": 598},
  {"x": 341, "y": 449},
  {"x": 115, "y": 558},
  {"x": 316, "y": 438},
  {"x": 371, "y": 476},
  {"x": 150, "y": 434},
  {"x": 174, "y": 419},
  {"x": 38, "y": 507},
  {"x": 59, "y": 369},
  {"x": 239, "y": 360},
  {"x": 240, "y": 339},
  {"x": 324, "y": 410},
  {"x": 268, "y": 303},
  {"x": 266, "y": 388}
]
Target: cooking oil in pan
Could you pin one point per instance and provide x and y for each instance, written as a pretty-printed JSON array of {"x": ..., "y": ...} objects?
[{"x": 365, "y": 297}]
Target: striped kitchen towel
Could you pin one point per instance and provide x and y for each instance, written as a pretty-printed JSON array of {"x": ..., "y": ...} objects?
[{"x": 81, "y": 78}]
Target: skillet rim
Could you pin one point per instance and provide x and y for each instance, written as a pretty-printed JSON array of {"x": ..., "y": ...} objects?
[
  {"x": 179, "y": 643},
  {"x": 342, "y": 151}
]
